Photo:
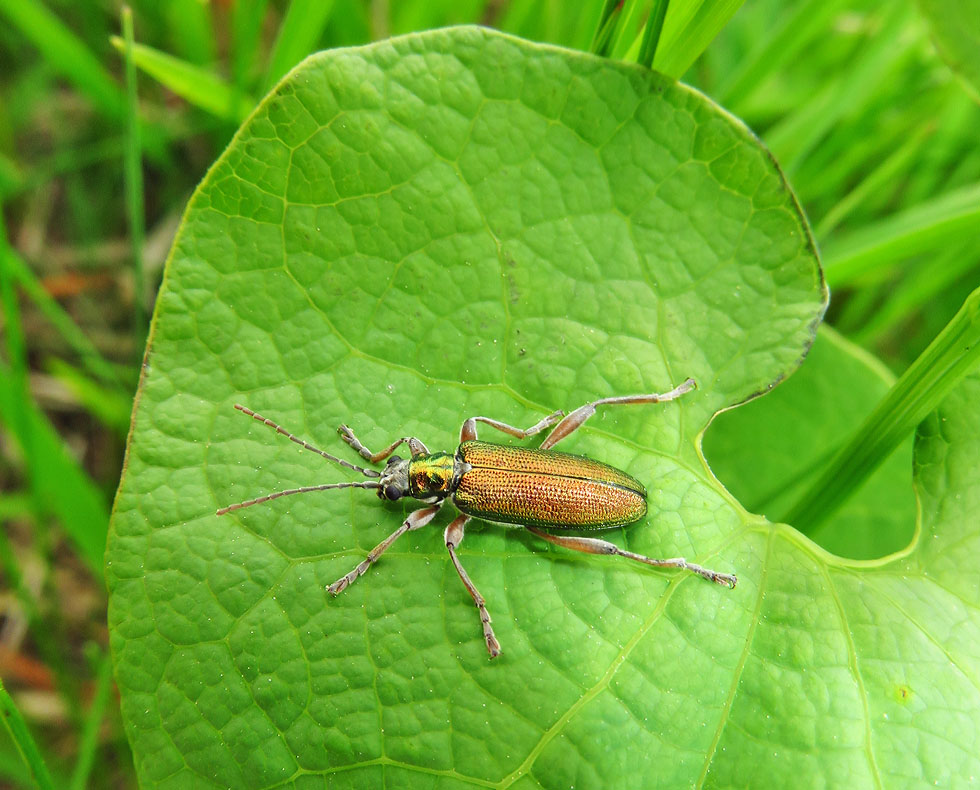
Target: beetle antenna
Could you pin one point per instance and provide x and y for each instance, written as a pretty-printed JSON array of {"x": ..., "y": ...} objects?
[
  {"x": 289, "y": 492},
  {"x": 307, "y": 445}
]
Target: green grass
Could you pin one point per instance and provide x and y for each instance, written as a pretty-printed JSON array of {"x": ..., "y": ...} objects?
[
  {"x": 108, "y": 127},
  {"x": 19, "y": 732}
]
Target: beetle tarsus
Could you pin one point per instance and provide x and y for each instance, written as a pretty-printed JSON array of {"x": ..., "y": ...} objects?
[
  {"x": 728, "y": 579},
  {"x": 492, "y": 644},
  {"x": 348, "y": 436},
  {"x": 345, "y": 581}
]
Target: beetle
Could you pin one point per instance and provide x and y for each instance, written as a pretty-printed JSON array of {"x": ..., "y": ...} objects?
[{"x": 540, "y": 489}]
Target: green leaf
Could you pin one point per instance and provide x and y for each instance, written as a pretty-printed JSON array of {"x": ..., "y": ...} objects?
[
  {"x": 956, "y": 30},
  {"x": 769, "y": 450},
  {"x": 459, "y": 223}
]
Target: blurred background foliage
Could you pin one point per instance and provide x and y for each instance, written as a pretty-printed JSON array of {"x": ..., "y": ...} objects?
[{"x": 876, "y": 134}]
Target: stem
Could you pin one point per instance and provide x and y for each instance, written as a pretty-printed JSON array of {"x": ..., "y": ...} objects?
[
  {"x": 16, "y": 417},
  {"x": 89, "y": 742},
  {"x": 652, "y": 31},
  {"x": 938, "y": 369},
  {"x": 13, "y": 329},
  {"x": 134, "y": 184},
  {"x": 22, "y": 738}
]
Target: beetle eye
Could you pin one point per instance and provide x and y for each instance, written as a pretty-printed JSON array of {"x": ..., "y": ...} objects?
[{"x": 393, "y": 492}]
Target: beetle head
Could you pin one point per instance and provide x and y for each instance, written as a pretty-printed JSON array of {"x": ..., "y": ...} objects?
[{"x": 394, "y": 479}]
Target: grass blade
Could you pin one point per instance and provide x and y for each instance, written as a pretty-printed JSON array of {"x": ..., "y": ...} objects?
[
  {"x": 938, "y": 369},
  {"x": 92, "y": 360},
  {"x": 783, "y": 41},
  {"x": 13, "y": 772},
  {"x": 299, "y": 33},
  {"x": 197, "y": 86},
  {"x": 952, "y": 145},
  {"x": 880, "y": 247},
  {"x": 651, "y": 32},
  {"x": 11, "y": 177},
  {"x": 89, "y": 741},
  {"x": 191, "y": 31},
  {"x": 605, "y": 27},
  {"x": 14, "y": 331},
  {"x": 133, "y": 168},
  {"x": 63, "y": 487},
  {"x": 66, "y": 53},
  {"x": 688, "y": 29},
  {"x": 792, "y": 139},
  {"x": 883, "y": 176},
  {"x": 110, "y": 406},
  {"x": 628, "y": 31},
  {"x": 916, "y": 291},
  {"x": 22, "y": 738},
  {"x": 58, "y": 483},
  {"x": 246, "y": 37}
]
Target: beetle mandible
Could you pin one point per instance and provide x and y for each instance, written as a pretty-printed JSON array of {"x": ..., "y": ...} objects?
[{"x": 539, "y": 489}]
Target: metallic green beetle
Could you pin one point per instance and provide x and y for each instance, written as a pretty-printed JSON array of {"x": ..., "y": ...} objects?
[{"x": 539, "y": 489}]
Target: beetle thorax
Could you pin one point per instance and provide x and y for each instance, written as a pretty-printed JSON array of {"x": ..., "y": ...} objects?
[{"x": 431, "y": 476}]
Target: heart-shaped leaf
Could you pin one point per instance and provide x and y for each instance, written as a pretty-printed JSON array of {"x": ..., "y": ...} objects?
[
  {"x": 768, "y": 451},
  {"x": 460, "y": 223}
]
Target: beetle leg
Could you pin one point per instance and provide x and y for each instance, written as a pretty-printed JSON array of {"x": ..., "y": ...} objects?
[
  {"x": 574, "y": 420},
  {"x": 598, "y": 546},
  {"x": 468, "y": 431},
  {"x": 415, "y": 445},
  {"x": 416, "y": 519},
  {"x": 454, "y": 536}
]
